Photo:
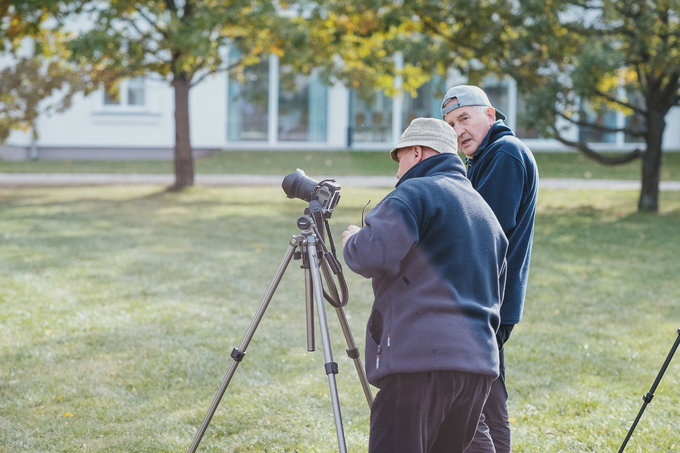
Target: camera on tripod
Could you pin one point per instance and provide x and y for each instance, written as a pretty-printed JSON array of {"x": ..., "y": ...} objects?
[{"x": 326, "y": 192}]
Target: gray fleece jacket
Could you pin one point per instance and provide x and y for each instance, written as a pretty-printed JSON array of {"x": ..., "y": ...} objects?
[{"x": 436, "y": 255}]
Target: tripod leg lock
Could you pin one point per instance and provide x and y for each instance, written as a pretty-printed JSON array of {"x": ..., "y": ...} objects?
[
  {"x": 648, "y": 398},
  {"x": 353, "y": 353},
  {"x": 237, "y": 355},
  {"x": 331, "y": 368}
]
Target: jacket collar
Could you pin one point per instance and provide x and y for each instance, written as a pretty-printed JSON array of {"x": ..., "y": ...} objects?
[
  {"x": 498, "y": 129},
  {"x": 440, "y": 164}
]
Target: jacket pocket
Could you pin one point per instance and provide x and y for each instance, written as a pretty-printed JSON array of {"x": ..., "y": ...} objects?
[{"x": 375, "y": 326}]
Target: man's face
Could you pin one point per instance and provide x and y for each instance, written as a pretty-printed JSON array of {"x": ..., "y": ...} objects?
[
  {"x": 471, "y": 125},
  {"x": 407, "y": 158}
]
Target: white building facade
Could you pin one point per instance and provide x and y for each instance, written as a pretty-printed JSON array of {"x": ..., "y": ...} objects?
[{"x": 274, "y": 109}]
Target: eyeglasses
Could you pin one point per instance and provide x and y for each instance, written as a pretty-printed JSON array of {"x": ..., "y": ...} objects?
[{"x": 362, "y": 213}]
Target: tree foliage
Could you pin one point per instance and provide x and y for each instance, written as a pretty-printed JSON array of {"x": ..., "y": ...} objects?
[
  {"x": 182, "y": 41},
  {"x": 570, "y": 58},
  {"x": 25, "y": 86},
  {"x": 26, "y": 19},
  {"x": 603, "y": 56},
  {"x": 357, "y": 41},
  {"x": 38, "y": 68}
]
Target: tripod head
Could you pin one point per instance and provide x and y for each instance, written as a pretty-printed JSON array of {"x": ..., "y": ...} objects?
[
  {"x": 308, "y": 223},
  {"x": 323, "y": 197}
]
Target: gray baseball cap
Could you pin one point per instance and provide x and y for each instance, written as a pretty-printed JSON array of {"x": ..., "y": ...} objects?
[
  {"x": 431, "y": 132},
  {"x": 467, "y": 95}
]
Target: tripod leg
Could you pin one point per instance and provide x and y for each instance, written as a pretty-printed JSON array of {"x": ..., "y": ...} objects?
[
  {"x": 648, "y": 397},
  {"x": 238, "y": 354},
  {"x": 352, "y": 349},
  {"x": 330, "y": 366},
  {"x": 309, "y": 309},
  {"x": 353, "y": 353}
]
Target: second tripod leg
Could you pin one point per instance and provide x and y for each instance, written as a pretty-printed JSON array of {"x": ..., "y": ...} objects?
[
  {"x": 330, "y": 366},
  {"x": 352, "y": 349},
  {"x": 353, "y": 353}
]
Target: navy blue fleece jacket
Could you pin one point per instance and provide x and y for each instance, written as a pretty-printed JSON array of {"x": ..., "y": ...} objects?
[
  {"x": 436, "y": 255},
  {"x": 504, "y": 172}
]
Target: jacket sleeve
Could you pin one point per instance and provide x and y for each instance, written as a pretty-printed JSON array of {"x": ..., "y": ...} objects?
[
  {"x": 502, "y": 188},
  {"x": 379, "y": 247}
]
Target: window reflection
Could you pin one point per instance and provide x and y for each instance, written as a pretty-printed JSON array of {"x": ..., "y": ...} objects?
[
  {"x": 370, "y": 118},
  {"x": 247, "y": 104},
  {"x": 302, "y": 107}
]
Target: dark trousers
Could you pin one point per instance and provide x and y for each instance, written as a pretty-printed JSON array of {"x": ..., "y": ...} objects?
[
  {"x": 495, "y": 423},
  {"x": 435, "y": 412}
]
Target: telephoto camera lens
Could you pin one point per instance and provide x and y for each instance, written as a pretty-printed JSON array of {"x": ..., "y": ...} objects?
[{"x": 299, "y": 185}]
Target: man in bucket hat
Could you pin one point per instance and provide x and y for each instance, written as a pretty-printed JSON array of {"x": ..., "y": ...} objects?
[
  {"x": 436, "y": 256},
  {"x": 503, "y": 170}
]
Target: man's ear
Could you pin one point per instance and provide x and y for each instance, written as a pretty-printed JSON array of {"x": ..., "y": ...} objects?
[
  {"x": 420, "y": 154},
  {"x": 491, "y": 115}
]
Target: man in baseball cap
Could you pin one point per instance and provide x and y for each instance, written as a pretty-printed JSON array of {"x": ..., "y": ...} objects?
[{"x": 503, "y": 170}]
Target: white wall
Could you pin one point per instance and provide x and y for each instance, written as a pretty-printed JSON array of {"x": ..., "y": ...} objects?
[
  {"x": 338, "y": 116},
  {"x": 90, "y": 123},
  {"x": 671, "y": 135},
  {"x": 90, "y": 129},
  {"x": 208, "y": 113}
]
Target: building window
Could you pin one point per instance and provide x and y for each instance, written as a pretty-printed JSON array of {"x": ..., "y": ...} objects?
[
  {"x": 302, "y": 107},
  {"x": 426, "y": 104},
  {"x": 129, "y": 93},
  {"x": 635, "y": 123},
  {"x": 523, "y": 131},
  {"x": 112, "y": 96},
  {"x": 370, "y": 119},
  {"x": 135, "y": 91},
  {"x": 498, "y": 93},
  {"x": 247, "y": 117},
  {"x": 599, "y": 119}
]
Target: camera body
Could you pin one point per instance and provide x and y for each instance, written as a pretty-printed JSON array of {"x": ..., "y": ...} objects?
[
  {"x": 299, "y": 185},
  {"x": 327, "y": 192}
]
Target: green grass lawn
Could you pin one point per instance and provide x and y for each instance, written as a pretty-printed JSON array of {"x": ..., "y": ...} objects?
[
  {"x": 336, "y": 163},
  {"x": 120, "y": 306}
]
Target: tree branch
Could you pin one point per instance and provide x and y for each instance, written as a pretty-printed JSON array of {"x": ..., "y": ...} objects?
[
  {"x": 589, "y": 124},
  {"x": 671, "y": 90},
  {"x": 227, "y": 68},
  {"x": 627, "y": 13},
  {"x": 133, "y": 23},
  {"x": 615, "y": 100},
  {"x": 153, "y": 23},
  {"x": 596, "y": 156},
  {"x": 203, "y": 76},
  {"x": 428, "y": 23}
]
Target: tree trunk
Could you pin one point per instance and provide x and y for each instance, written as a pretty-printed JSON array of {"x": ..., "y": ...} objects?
[
  {"x": 184, "y": 158},
  {"x": 651, "y": 163}
]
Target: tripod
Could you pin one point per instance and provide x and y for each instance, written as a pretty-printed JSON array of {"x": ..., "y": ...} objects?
[
  {"x": 648, "y": 397},
  {"x": 316, "y": 259}
]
